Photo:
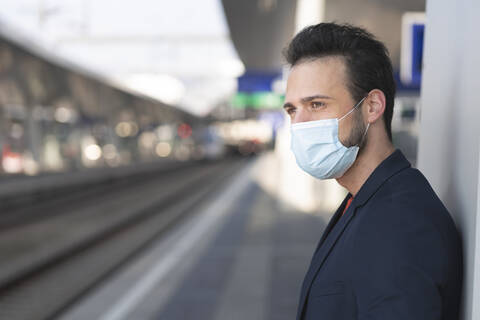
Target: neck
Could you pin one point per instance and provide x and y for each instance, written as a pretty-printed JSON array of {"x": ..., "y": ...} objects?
[{"x": 367, "y": 161}]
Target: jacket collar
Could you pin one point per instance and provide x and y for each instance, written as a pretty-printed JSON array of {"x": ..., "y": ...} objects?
[{"x": 389, "y": 167}]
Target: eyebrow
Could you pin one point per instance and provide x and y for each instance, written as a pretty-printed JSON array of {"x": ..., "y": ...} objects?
[
  {"x": 307, "y": 99},
  {"x": 317, "y": 96}
]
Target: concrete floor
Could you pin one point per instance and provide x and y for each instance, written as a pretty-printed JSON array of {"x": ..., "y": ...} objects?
[{"x": 242, "y": 256}]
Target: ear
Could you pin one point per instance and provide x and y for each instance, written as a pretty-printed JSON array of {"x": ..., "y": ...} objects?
[{"x": 375, "y": 105}]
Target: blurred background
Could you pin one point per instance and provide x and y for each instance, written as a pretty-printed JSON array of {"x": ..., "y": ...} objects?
[
  {"x": 102, "y": 84},
  {"x": 145, "y": 167}
]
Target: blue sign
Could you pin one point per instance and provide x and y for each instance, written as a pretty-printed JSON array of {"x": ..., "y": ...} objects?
[
  {"x": 256, "y": 81},
  {"x": 417, "y": 53},
  {"x": 413, "y": 29}
]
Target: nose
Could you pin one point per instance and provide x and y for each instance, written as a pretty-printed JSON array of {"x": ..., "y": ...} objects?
[{"x": 301, "y": 115}]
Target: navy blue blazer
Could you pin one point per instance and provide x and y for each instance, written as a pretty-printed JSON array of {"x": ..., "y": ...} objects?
[{"x": 394, "y": 255}]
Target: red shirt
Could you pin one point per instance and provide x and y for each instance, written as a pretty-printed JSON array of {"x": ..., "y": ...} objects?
[{"x": 348, "y": 203}]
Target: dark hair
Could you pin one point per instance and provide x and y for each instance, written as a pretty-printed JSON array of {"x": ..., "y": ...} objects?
[{"x": 367, "y": 61}]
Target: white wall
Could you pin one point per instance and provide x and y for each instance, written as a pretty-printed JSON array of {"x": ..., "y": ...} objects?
[{"x": 449, "y": 146}]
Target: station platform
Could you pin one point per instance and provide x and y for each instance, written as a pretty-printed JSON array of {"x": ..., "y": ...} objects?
[{"x": 242, "y": 255}]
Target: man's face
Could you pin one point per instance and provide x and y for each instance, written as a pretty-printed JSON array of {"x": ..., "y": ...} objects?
[{"x": 316, "y": 90}]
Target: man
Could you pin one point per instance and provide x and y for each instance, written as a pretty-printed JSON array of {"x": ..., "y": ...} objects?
[{"x": 391, "y": 250}]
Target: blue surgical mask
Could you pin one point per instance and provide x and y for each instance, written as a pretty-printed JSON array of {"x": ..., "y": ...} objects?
[{"x": 318, "y": 150}]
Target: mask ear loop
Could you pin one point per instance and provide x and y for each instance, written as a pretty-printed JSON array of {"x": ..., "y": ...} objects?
[
  {"x": 368, "y": 124},
  {"x": 364, "y": 134},
  {"x": 359, "y": 103}
]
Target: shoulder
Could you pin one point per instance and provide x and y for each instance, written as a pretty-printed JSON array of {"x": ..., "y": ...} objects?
[
  {"x": 406, "y": 197},
  {"x": 405, "y": 219}
]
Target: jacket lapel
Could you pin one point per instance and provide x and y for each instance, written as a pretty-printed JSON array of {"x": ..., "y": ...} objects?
[
  {"x": 324, "y": 247},
  {"x": 389, "y": 167},
  {"x": 332, "y": 222}
]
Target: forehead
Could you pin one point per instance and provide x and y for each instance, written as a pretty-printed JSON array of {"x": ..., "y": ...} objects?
[{"x": 319, "y": 76}]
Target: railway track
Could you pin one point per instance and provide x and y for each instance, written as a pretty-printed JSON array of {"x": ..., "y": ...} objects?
[
  {"x": 82, "y": 247},
  {"x": 28, "y": 207}
]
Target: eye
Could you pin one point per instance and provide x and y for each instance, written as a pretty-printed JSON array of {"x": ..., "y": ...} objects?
[
  {"x": 290, "y": 111},
  {"x": 317, "y": 104}
]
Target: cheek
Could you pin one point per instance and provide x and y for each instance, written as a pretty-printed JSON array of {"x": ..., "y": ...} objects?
[{"x": 343, "y": 130}]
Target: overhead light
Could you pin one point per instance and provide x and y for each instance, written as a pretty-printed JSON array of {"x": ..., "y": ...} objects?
[
  {"x": 231, "y": 67},
  {"x": 163, "y": 149},
  {"x": 164, "y": 87},
  {"x": 93, "y": 152}
]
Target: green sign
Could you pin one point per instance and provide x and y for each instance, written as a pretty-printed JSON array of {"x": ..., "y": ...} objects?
[{"x": 257, "y": 100}]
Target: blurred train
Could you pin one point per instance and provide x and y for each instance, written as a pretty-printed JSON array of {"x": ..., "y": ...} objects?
[{"x": 56, "y": 116}]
